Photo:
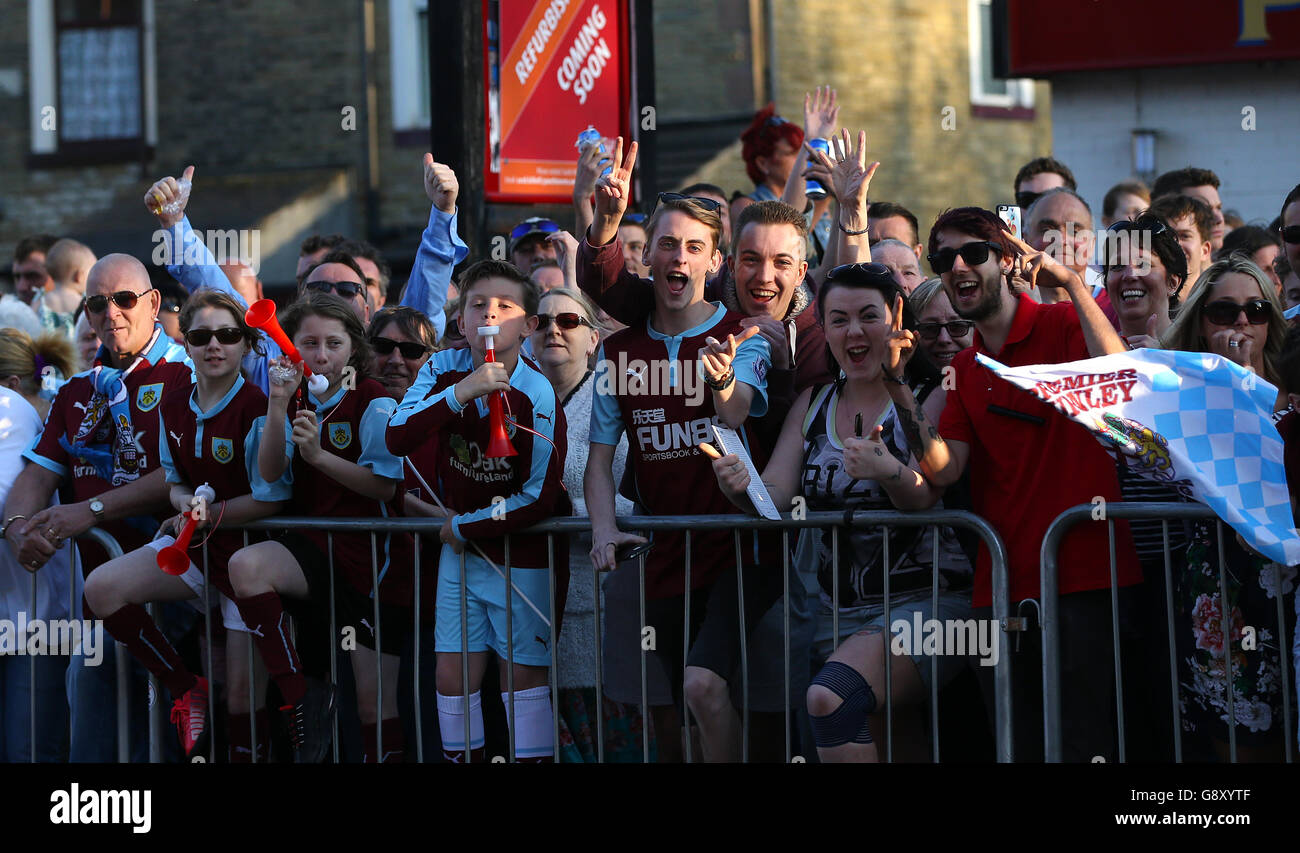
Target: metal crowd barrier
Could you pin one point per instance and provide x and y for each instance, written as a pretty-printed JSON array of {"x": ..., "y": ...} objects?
[
  {"x": 689, "y": 524},
  {"x": 1050, "y": 623}
]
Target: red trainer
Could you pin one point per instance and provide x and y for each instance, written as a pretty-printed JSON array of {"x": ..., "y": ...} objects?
[{"x": 190, "y": 716}]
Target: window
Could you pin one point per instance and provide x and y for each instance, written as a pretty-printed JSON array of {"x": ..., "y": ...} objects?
[
  {"x": 408, "y": 38},
  {"x": 93, "y": 88},
  {"x": 989, "y": 95}
]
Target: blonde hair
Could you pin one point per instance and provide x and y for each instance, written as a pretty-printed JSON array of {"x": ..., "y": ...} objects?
[
  {"x": 1185, "y": 333},
  {"x": 26, "y": 358},
  {"x": 924, "y": 293}
]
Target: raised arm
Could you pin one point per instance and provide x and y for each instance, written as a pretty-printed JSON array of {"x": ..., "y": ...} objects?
[
  {"x": 1100, "y": 335},
  {"x": 441, "y": 248},
  {"x": 739, "y": 390},
  {"x": 177, "y": 246},
  {"x": 851, "y": 177},
  {"x": 591, "y": 162}
]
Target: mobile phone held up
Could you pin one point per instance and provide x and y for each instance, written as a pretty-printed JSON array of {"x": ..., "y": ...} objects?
[{"x": 1010, "y": 214}]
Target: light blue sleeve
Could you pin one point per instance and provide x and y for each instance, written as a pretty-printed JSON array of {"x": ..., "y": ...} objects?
[
  {"x": 374, "y": 446},
  {"x": 281, "y": 489},
  {"x": 753, "y": 358},
  {"x": 441, "y": 249},
  {"x": 606, "y": 419},
  {"x": 165, "y": 455},
  {"x": 193, "y": 265}
]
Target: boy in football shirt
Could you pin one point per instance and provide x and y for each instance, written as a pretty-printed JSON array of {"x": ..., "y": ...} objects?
[
  {"x": 665, "y": 421},
  {"x": 449, "y": 404}
]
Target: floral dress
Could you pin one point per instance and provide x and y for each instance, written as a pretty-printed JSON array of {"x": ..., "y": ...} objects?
[{"x": 1257, "y": 648}]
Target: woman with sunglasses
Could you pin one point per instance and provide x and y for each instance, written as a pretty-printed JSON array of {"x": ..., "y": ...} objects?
[
  {"x": 564, "y": 344},
  {"x": 1144, "y": 269},
  {"x": 843, "y": 448},
  {"x": 209, "y": 433},
  {"x": 1232, "y": 311}
]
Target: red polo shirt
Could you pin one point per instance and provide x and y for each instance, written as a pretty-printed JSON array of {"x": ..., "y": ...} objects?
[{"x": 1028, "y": 467}]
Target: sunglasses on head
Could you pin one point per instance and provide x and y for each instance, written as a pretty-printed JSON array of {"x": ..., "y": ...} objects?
[
  {"x": 346, "y": 289},
  {"x": 123, "y": 299},
  {"x": 709, "y": 203},
  {"x": 974, "y": 254},
  {"x": 1224, "y": 312},
  {"x": 867, "y": 270},
  {"x": 956, "y": 329},
  {"x": 529, "y": 226},
  {"x": 1143, "y": 223},
  {"x": 567, "y": 321},
  {"x": 200, "y": 337},
  {"x": 409, "y": 349},
  {"x": 1290, "y": 234}
]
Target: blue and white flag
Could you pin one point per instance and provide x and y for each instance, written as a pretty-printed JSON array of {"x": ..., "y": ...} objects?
[{"x": 1194, "y": 421}]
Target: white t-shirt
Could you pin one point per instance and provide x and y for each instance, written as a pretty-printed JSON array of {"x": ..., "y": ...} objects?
[{"x": 56, "y": 582}]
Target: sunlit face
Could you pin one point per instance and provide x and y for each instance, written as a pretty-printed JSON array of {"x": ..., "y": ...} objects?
[
  {"x": 1196, "y": 249},
  {"x": 341, "y": 274},
  {"x": 556, "y": 347},
  {"x": 942, "y": 348},
  {"x": 1062, "y": 227},
  {"x": 902, "y": 263},
  {"x": 768, "y": 266},
  {"x": 857, "y": 324},
  {"x": 890, "y": 228},
  {"x": 124, "y": 331},
  {"x": 1210, "y": 196},
  {"x": 1138, "y": 285},
  {"x": 215, "y": 361},
  {"x": 325, "y": 346},
  {"x": 30, "y": 276},
  {"x": 633, "y": 239},
  {"x": 395, "y": 371},
  {"x": 975, "y": 292},
  {"x": 87, "y": 342},
  {"x": 681, "y": 257},
  {"x": 495, "y": 302},
  {"x": 1239, "y": 288},
  {"x": 1127, "y": 208}
]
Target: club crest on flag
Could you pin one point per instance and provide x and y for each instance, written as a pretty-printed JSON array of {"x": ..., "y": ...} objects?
[
  {"x": 340, "y": 435},
  {"x": 147, "y": 396},
  {"x": 223, "y": 449}
]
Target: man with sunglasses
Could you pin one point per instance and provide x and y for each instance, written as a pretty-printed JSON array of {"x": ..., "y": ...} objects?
[
  {"x": 1028, "y": 463},
  {"x": 338, "y": 273},
  {"x": 1290, "y": 227},
  {"x": 100, "y": 448}
]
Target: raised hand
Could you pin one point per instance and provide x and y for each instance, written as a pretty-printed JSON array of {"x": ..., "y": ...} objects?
[
  {"x": 1032, "y": 264},
  {"x": 850, "y": 174},
  {"x": 869, "y": 459},
  {"x": 591, "y": 162},
  {"x": 166, "y": 191},
  {"x": 820, "y": 113},
  {"x": 717, "y": 356},
  {"x": 1234, "y": 346},
  {"x": 900, "y": 344},
  {"x": 282, "y": 390},
  {"x": 440, "y": 184},
  {"x": 613, "y": 191}
]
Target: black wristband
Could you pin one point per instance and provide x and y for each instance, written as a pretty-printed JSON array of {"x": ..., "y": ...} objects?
[
  {"x": 852, "y": 233},
  {"x": 723, "y": 383},
  {"x": 897, "y": 380}
]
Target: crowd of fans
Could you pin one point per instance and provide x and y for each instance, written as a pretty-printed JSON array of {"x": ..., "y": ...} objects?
[{"x": 604, "y": 358}]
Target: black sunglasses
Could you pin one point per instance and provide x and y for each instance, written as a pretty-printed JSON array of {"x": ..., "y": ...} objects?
[
  {"x": 410, "y": 349},
  {"x": 346, "y": 289},
  {"x": 201, "y": 337},
  {"x": 708, "y": 203},
  {"x": 974, "y": 254},
  {"x": 956, "y": 329},
  {"x": 1024, "y": 198},
  {"x": 1143, "y": 223},
  {"x": 123, "y": 299},
  {"x": 566, "y": 321},
  {"x": 867, "y": 270},
  {"x": 1290, "y": 234},
  {"x": 1225, "y": 312}
]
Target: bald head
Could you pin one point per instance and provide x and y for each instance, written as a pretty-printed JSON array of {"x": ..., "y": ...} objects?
[
  {"x": 1059, "y": 222},
  {"x": 124, "y": 330},
  {"x": 111, "y": 272},
  {"x": 68, "y": 262}
]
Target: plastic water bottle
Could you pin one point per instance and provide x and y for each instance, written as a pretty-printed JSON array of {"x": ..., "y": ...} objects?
[
  {"x": 591, "y": 136},
  {"x": 811, "y": 188},
  {"x": 174, "y": 207}
]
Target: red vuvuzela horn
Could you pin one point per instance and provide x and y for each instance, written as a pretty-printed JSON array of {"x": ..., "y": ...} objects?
[
  {"x": 173, "y": 560},
  {"x": 499, "y": 444},
  {"x": 261, "y": 315}
]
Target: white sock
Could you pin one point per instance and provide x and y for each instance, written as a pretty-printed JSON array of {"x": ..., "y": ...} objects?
[
  {"x": 534, "y": 731},
  {"x": 451, "y": 721}
]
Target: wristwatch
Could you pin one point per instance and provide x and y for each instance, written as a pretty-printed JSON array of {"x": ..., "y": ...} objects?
[{"x": 97, "y": 507}]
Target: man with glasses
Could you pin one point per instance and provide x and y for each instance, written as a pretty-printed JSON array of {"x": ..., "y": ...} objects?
[
  {"x": 100, "y": 447},
  {"x": 1290, "y": 227},
  {"x": 1028, "y": 463},
  {"x": 338, "y": 273},
  {"x": 1038, "y": 176},
  {"x": 29, "y": 272}
]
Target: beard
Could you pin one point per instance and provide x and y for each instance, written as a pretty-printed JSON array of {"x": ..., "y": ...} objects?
[{"x": 989, "y": 303}]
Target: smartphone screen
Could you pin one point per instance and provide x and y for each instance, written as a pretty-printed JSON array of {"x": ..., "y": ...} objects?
[{"x": 1010, "y": 214}]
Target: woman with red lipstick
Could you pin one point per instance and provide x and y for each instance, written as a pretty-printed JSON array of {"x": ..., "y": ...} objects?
[{"x": 1144, "y": 269}]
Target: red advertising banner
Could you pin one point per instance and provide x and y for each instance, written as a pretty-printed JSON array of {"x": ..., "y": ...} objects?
[
  {"x": 554, "y": 67},
  {"x": 1044, "y": 38}
]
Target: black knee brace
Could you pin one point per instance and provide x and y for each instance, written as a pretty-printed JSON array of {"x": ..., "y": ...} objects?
[{"x": 847, "y": 723}]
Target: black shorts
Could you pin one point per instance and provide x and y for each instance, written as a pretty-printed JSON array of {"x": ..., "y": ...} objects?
[
  {"x": 353, "y": 609},
  {"x": 715, "y": 622}
]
